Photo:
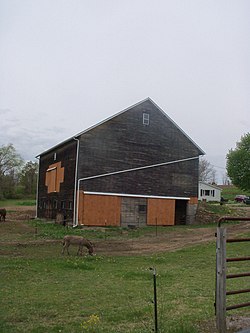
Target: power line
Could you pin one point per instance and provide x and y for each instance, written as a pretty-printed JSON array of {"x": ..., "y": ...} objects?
[{"x": 216, "y": 166}]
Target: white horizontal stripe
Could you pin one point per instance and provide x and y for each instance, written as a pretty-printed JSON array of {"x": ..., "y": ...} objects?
[
  {"x": 136, "y": 195},
  {"x": 139, "y": 168},
  {"x": 50, "y": 169}
]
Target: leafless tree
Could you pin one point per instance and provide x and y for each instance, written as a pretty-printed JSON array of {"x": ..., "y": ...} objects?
[{"x": 207, "y": 173}]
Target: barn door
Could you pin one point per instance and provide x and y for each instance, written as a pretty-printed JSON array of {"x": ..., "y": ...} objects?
[
  {"x": 161, "y": 212},
  {"x": 133, "y": 212}
]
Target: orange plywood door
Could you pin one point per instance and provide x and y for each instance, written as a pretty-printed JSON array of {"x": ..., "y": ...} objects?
[
  {"x": 54, "y": 177},
  {"x": 100, "y": 210},
  {"x": 161, "y": 212}
]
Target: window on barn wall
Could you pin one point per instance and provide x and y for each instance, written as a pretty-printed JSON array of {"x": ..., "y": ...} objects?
[
  {"x": 142, "y": 208},
  {"x": 54, "y": 177},
  {"x": 145, "y": 119},
  {"x": 55, "y": 204},
  {"x": 70, "y": 205}
]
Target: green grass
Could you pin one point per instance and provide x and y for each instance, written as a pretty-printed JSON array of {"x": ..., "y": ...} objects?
[
  {"x": 231, "y": 191},
  {"x": 17, "y": 202},
  {"x": 216, "y": 208},
  {"x": 42, "y": 291},
  {"x": 50, "y": 230}
]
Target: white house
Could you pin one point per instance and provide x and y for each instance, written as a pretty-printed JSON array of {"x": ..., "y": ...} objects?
[{"x": 209, "y": 192}]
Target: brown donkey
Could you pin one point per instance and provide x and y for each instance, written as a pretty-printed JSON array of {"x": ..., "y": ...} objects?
[
  {"x": 2, "y": 214},
  {"x": 77, "y": 240}
]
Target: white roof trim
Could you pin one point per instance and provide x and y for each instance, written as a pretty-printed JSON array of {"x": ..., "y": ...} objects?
[
  {"x": 117, "y": 114},
  {"x": 214, "y": 186},
  {"x": 180, "y": 129},
  {"x": 136, "y": 195}
]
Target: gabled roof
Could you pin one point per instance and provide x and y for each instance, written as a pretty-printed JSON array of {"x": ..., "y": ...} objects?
[
  {"x": 117, "y": 114},
  {"x": 210, "y": 185}
]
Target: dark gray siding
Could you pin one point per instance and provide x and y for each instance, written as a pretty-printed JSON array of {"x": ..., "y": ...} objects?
[
  {"x": 123, "y": 142},
  {"x": 46, "y": 201}
]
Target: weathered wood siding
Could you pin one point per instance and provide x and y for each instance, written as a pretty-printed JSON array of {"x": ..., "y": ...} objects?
[
  {"x": 61, "y": 200},
  {"x": 123, "y": 142},
  {"x": 133, "y": 212}
]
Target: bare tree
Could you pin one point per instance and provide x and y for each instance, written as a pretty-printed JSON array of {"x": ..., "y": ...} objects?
[
  {"x": 207, "y": 173},
  {"x": 225, "y": 179}
]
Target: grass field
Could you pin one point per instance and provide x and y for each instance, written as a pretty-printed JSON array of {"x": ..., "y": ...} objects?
[
  {"x": 231, "y": 191},
  {"x": 42, "y": 291},
  {"x": 17, "y": 202}
]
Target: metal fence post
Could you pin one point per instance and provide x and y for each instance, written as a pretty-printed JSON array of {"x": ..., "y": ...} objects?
[
  {"x": 221, "y": 280},
  {"x": 155, "y": 300}
]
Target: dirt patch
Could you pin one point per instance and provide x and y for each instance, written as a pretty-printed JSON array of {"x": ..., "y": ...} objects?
[
  {"x": 18, "y": 233},
  {"x": 20, "y": 213},
  {"x": 142, "y": 245}
]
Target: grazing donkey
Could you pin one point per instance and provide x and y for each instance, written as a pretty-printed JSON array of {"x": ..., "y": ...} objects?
[
  {"x": 78, "y": 240},
  {"x": 2, "y": 214}
]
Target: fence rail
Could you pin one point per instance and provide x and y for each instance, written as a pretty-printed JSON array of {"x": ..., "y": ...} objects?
[{"x": 222, "y": 276}]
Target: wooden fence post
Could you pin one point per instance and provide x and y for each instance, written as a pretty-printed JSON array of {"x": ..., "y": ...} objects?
[{"x": 221, "y": 280}]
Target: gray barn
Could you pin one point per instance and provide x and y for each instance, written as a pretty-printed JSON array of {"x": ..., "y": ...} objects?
[{"x": 137, "y": 167}]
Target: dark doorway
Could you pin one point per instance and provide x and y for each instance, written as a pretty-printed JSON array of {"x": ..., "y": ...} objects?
[{"x": 180, "y": 212}]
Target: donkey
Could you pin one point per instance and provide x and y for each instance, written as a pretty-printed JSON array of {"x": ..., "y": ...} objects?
[
  {"x": 2, "y": 214},
  {"x": 78, "y": 240}
]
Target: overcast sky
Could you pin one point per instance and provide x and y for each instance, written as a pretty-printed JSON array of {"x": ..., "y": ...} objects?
[{"x": 66, "y": 65}]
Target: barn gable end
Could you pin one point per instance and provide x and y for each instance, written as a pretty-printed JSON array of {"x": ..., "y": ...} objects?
[{"x": 139, "y": 151}]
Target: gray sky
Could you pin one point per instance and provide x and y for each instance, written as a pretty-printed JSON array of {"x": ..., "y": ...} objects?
[{"x": 66, "y": 65}]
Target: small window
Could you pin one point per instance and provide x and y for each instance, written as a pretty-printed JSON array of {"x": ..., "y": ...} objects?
[
  {"x": 54, "y": 156},
  {"x": 63, "y": 205},
  {"x": 70, "y": 205},
  {"x": 55, "y": 204},
  {"x": 142, "y": 208},
  {"x": 145, "y": 119}
]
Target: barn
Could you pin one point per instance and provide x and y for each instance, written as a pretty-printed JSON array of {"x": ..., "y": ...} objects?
[{"x": 135, "y": 168}]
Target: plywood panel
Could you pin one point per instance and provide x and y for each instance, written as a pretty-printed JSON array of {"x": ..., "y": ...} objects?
[
  {"x": 162, "y": 211},
  {"x": 100, "y": 210},
  {"x": 54, "y": 177},
  {"x": 50, "y": 180}
]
